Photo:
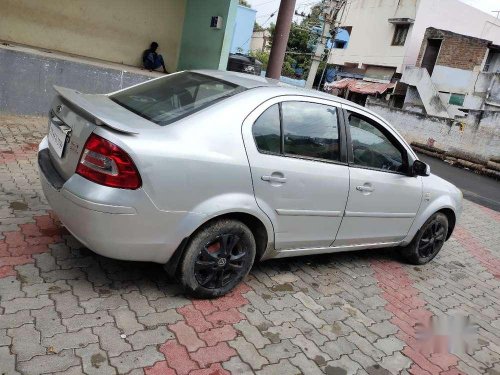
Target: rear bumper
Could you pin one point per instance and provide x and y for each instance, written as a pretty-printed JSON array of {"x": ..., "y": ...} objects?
[{"x": 101, "y": 220}]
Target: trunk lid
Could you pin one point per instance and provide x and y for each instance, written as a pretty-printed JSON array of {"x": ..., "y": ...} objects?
[{"x": 74, "y": 116}]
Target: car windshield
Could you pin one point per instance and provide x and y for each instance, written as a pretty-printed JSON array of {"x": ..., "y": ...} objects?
[{"x": 173, "y": 97}]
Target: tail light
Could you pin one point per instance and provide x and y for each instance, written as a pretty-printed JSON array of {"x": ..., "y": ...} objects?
[{"x": 107, "y": 164}]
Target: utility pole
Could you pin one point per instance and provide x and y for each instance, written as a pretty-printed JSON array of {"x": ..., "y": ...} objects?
[
  {"x": 280, "y": 40},
  {"x": 329, "y": 14},
  {"x": 497, "y": 12}
]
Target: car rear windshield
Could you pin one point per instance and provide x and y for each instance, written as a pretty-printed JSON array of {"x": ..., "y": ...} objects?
[{"x": 173, "y": 97}]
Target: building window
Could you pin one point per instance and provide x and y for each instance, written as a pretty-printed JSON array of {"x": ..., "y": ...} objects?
[
  {"x": 456, "y": 99},
  {"x": 400, "y": 33}
]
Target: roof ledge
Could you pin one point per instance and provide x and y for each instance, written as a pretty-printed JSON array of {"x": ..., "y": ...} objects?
[{"x": 401, "y": 21}]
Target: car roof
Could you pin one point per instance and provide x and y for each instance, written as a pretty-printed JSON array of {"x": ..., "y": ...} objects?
[{"x": 250, "y": 81}]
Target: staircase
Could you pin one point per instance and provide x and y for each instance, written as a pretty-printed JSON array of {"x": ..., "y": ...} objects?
[{"x": 419, "y": 77}]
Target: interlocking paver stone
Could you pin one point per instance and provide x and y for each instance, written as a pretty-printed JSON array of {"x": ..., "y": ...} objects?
[
  {"x": 66, "y": 310},
  {"x": 67, "y": 340}
]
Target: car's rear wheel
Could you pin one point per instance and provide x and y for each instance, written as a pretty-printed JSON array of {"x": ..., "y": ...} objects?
[
  {"x": 428, "y": 241},
  {"x": 217, "y": 258}
]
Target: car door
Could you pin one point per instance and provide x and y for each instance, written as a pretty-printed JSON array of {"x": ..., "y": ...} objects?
[
  {"x": 383, "y": 197},
  {"x": 298, "y": 161}
]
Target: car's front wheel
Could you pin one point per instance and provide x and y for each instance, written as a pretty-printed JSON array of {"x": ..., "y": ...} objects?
[
  {"x": 217, "y": 258},
  {"x": 428, "y": 241}
]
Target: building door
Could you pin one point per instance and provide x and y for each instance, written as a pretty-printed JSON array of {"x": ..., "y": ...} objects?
[{"x": 431, "y": 54}]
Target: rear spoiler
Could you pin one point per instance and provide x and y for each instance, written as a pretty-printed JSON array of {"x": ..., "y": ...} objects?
[{"x": 103, "y": 111}]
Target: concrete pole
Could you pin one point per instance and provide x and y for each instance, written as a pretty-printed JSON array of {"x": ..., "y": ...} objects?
[
  {"x": 280, "y": 40},
  {"x": 320, "y": 47}
]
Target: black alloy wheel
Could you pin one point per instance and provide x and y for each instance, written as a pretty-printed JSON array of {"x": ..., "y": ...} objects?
[
  {"x": 432, "y": 239},
  {"x": 220, "y": 261},
  {"x": 428, "y": 241},
  {"x": 218, "y": 256}
]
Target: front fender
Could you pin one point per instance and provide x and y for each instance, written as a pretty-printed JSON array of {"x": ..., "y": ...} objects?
[{"x": 427, "y": 209}]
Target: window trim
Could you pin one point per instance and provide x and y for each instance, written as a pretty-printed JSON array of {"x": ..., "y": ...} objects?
[
  {"x": 384, "y": 131},
  {"x": 340, "y": 123}
]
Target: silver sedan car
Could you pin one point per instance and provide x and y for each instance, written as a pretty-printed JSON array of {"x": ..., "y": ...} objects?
[{"x": 207, "y": 172}]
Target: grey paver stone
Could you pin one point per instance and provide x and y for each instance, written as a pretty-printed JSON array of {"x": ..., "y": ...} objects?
[
  {"x": 70, "y": 340},
  {"x": 66, "y": 304},
  {"x": 308, "y": 302},
  {"x": 138, "y": 303},
  {"x": 248, "y": 353},
  {"x": 165, "y": 317},
  {"x": 252, "y": 334},
  {"x": 14, "y": 320},
  {"x": 141, "y": 339},
  {"x": 94, "y": 360},
  {"x": 136, "y": 359},
  {"x": 49, "y": 363},
  {"x": 110, "y": 340},
  {"x": 7, "y": 362},
  {"x": 48, "y": 322},
  {"x": 306, "y": 365},
  {"x": 283, "y": 367},
  {"x": 389, "y": 345},
  {"x": 275, "y": 352},
  {"x": 396, "y": 362},
  {"x": 26, "y": 342},
  {"x": 343, "y": 365},
  {"x": 384, "y": 329},
  {"x": 338, "y": 347},
  {"x": 236, "y": 366},
  {"x": 25, "y": 303},
  {"x": 77, "y": 322}
]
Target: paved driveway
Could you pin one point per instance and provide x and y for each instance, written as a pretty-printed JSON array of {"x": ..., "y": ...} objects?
[{"x": 66, "y": 310}]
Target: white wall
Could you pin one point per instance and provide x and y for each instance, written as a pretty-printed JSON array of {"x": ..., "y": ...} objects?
[
  {"x": 451, "y": 15},
  {"x": 371, "y": 36},
  {"x": 482, "y": 140}
]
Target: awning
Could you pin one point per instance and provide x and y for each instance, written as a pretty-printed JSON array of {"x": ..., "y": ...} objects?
[{"x": 359, "y": 86}]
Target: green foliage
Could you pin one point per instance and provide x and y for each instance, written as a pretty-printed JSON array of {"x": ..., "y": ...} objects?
[
  {"x": 257, "y": 27},
  {"x": 262, "y": 56},
  {"x": 245, "y": 3}
]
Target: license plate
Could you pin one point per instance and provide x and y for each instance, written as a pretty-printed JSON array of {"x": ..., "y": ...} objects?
[{"x": 57, "y": 139}]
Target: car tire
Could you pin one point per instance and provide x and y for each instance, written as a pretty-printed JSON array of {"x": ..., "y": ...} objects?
[
  {"x": 428, "y": 241},
  {"x": 217, "y": 258}
]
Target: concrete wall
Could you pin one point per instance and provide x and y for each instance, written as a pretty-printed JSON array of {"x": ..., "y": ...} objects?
[
  {"x": 111, "y": 30},
  {"x": 243, "y": 29},
  {"x": 27, "y": 77},
  {"x": 482, "y": 139},
  {"x": 201, "y": 45}
]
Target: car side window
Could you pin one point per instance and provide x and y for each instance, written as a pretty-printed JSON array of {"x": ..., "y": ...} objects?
[
  {"x": 310, "y": 130},
  {"x": 267, "y": 131},
  {"x": 372, "y": 148}
]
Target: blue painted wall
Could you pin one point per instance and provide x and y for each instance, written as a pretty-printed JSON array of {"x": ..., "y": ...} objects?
[{"x": 243, "y": 29}]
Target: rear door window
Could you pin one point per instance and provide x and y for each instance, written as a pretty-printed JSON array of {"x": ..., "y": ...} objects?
[
  {"x": 266, "y": 131},
  {"x": 311, "y": 130}
]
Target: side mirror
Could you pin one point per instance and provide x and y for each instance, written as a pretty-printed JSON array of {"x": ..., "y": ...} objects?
[{"x": 419, "y": 168}]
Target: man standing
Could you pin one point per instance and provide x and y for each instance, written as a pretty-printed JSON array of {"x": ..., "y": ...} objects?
[{"x": 151, "y": 60}]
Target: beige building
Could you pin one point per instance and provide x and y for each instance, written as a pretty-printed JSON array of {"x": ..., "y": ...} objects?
[
  {"x": 119, "y": 31},
  {"x": 386, "y": 35},
  {"x": 260, "y": 40}
]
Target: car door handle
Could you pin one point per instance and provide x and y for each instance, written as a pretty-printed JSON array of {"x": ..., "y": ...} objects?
[
  {"x": 281, "y": 180},
  {"x": 365, "y": 188}
]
